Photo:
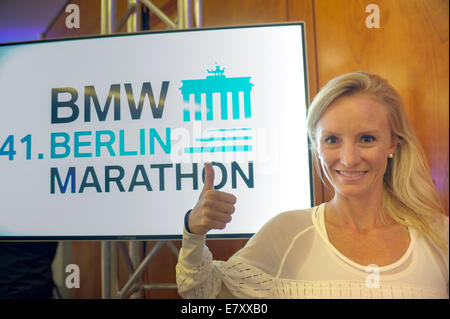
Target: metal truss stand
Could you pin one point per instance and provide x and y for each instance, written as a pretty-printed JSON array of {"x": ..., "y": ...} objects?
[{"x": 189, "y": 15}]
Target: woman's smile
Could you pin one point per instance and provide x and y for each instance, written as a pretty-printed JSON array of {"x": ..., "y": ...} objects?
[{"x": 351, "y": 174}]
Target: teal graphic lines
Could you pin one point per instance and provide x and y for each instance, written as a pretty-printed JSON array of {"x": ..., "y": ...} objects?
[
  {"x": 229, "y": 129},
  {"x": 213, "y": 149},
  {"x": 228, "y": 138}
]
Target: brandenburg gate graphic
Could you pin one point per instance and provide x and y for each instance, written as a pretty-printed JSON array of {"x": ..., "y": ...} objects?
[{"x": 217, "y": 83}]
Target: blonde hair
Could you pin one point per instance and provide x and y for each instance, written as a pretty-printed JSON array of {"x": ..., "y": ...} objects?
[{"x": 409, "y": 196}]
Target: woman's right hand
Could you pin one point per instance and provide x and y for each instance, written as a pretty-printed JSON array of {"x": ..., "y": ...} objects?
[{"x": 213, "y": 209}]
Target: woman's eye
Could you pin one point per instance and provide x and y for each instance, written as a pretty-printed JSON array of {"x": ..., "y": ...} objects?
[
  {"x": 331, "y": 140},
  {"x": 367, "y": 138}
]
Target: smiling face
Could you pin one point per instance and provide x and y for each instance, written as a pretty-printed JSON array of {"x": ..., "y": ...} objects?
[{"x": 354, "y": 141}]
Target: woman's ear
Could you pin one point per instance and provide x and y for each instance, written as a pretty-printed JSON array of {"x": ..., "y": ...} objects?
[{"x": 395, "y": 141}]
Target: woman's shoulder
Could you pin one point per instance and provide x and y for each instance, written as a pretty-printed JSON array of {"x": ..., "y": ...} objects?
[
  {"x": 299, "y": 217},
  {"x": 265, "y": 250},
  {"x": 288, "y": 224}
]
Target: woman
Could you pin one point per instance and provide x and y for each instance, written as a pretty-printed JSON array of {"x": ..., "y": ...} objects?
[{"x": 383, "y": 235}]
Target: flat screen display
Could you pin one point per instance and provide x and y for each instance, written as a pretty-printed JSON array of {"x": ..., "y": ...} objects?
[{"x": 106, "y": 137}]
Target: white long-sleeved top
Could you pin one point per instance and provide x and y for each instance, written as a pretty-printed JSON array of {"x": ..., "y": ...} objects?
[{"x": 291, "y": 257}]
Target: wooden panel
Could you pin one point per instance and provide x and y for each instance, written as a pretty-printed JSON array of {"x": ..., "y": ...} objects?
[
  {"x": 410, "y": 50},
  {"x": 161, "y": 271},
  {"x": 238, "y": 12},
  {"x": 304, "y": 11},
  {"x": 89, "y": 21},
  {"x": 87, "y": 256}
]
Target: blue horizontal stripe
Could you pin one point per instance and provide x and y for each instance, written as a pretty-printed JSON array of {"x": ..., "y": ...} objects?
[
  {"x": 230, "y": 129},
  {"x": 231, "y": 138},
  {"x": 216, "y": 149}
]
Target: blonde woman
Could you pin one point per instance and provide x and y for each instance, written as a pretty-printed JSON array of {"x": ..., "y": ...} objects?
[{"x": 383, "y": 235}]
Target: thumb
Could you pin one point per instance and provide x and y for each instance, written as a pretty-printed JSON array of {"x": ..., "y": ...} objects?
[{"x": 209, "y": 178}]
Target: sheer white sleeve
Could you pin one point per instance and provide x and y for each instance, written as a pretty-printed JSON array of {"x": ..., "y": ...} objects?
[
  {"x": 199, "y": 277},
  {"x": 195, "y": 274},
  {"x": 249, "y": 273}
]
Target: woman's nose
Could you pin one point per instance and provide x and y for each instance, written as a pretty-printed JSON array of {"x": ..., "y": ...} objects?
[{"x": 350, "y": 155}]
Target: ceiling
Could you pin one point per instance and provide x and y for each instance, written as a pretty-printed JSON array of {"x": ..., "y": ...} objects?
[{"x": 24, "y": 20}]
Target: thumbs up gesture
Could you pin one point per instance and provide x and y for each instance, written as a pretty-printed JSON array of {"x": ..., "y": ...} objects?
[{"x": 213, "y": 209}]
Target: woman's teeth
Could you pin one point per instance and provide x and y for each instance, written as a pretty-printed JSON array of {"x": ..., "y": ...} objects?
[{"x": 351, "y": 174}]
